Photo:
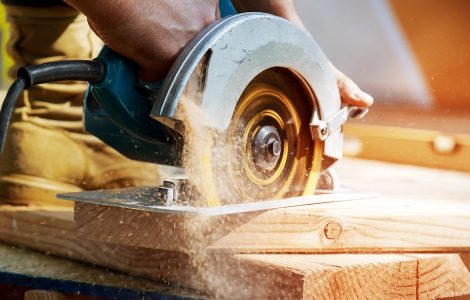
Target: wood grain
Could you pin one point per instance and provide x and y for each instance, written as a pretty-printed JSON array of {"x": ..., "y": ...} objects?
[
  {"x": 438, "y": 276},
  {"x": 383, "y": 224},
  {"x": 346, "y": 276},
  {"x": 51, "y": 230},
  {"x": 417, "y": 209},
  {"x": 405, "y": 182},
  {"x": 254, "y": 276},
  {"x": 375, "y": 225},
  {"x": 172, "y": 232}
]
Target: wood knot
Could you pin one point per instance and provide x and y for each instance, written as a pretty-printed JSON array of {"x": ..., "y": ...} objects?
[{"x": 333, "y": 230}]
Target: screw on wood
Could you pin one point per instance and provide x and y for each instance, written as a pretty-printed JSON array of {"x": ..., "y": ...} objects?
[{"x": 333, "y": 230}]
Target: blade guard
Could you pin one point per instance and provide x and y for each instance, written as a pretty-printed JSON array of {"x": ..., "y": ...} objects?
[{"x": 222, "y": 60}]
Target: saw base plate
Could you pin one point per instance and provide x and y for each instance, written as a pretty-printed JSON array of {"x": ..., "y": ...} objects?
[{"x": 147, "y": 199}]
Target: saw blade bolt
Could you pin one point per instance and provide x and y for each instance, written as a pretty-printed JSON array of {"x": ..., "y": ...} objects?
[
  {"x": 168, "y": 192},
  {"x": 266, "y": 148},
  {"x": 274, "y": 147}
]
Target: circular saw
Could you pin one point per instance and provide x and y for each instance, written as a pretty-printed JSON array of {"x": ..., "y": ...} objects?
[
  {"x": 250, "y": 110},
  {"x": 262, "y": 107}
]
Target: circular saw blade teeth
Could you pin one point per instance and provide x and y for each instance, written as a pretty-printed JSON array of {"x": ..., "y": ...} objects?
[{"x": 266, "y": 153}]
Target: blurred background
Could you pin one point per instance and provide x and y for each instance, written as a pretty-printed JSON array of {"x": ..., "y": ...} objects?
[
  {"x": 5, "y": 61},
  {"x": 411, "y": 51},
  {"x": 413, "y": 56}
]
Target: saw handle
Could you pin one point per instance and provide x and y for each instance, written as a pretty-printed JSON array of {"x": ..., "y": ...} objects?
[
  {"x": 118, "y": 96},
  {"x": 117, "y": 110}
]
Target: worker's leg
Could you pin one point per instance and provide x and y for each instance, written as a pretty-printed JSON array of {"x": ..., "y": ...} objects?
[{"x": 46, "y": 150}]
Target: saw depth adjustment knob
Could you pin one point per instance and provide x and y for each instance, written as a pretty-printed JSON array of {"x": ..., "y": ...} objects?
[{"x": 168, "y": 193}]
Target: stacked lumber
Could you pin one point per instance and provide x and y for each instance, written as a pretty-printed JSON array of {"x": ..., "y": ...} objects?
[{"x": 314, "y": 251}]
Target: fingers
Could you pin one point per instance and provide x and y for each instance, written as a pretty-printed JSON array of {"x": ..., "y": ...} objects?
[
  {"x": 351, "y": 94},
  {"x": 349, "y": 91}
]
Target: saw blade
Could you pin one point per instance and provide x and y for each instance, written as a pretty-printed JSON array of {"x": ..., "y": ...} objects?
[{"x": 266, "y": 153}]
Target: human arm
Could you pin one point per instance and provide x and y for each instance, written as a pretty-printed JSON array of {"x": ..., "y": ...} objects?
[{"x": 151, "y": 33}]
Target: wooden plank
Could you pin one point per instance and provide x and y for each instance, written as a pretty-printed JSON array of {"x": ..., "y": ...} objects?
[
  {"x": 346, "y": 276},
  {"x": 276, "y": 275},
  {"x": 24, "y": 269},
  {"x": 421, "y": 209},
  {"x": 437, "y": 192},
  {"x": 51, "y": 230},
  {"x": 408, "y": 146},
  {"x": 172, "y": 232},
  {"x": 447, "y": 119},
  {"x": 233, "y": 276},
  {"x": 374, "y": 225}
]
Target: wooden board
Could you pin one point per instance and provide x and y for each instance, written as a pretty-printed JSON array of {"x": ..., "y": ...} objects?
[
  {"x": 172, "y": 232},
  {"x": 51, "y": 230},
  {"x": 268, "y": 275},
  {"x": 418, "y": 209},
  {"x": 24, "y": 269},
  {"x": 375, "y": 225},
  {"x": 408, "y": 146},
  {"x": 345, "y": 276},
  {"x": 445, "y": 119},
  {"x": 411, "y": 183},
  {"x": 247, "y": 275}
]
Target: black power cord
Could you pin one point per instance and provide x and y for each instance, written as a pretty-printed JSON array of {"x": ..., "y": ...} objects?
[{"x": 78, "y": 70}]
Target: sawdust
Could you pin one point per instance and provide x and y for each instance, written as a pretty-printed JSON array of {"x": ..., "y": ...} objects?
[
  {"x": 213, "y": 165},
  {"x": 205, "y": 160}
]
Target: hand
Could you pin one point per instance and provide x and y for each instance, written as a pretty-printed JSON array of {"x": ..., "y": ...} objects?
[
  {"x": 349, "y": 91},
  {"x": 151, "y": 33}
]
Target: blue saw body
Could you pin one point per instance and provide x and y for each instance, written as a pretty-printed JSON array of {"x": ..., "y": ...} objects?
[{"x": 117, "y": 110}]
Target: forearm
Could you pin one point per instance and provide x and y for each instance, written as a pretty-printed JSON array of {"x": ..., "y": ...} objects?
[
  {"x": 282, "y": 8},
  {"x": 93, "y": 7},
  {"x": 150, "y": 32},
  {"x": 100, "y": 9}
]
